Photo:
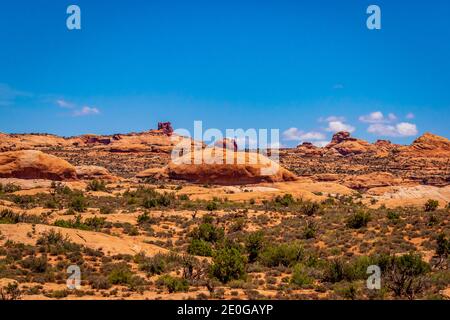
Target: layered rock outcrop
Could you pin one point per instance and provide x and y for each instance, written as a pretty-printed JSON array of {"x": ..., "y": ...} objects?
[{"x": 32, "y": 164}]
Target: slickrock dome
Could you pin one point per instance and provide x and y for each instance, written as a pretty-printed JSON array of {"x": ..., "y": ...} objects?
[
  {"x": 31, "y": 164},
  {"x": 224, "y": 167}
]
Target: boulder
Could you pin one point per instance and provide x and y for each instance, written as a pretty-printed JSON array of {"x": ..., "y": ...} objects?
[
  {"x": 32, "y": 164},
  {"x": 225, "y": 167},
  {"x": 95, "y": 172}
]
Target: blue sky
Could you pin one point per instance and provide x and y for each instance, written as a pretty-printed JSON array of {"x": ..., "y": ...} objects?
[{"x": 307, "y": 68}]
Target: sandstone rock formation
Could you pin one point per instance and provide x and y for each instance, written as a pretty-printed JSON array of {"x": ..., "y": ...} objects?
[
  {"x": 429, "y": 145},
  {"x": 425, "y": 161},
  {"x": 223, "y": 167},
  {"x": 32, "y": 164},
  {"x": 95, "y": 172},
  {"x": 344, "y": 144},
  {"x": 166, "y": 128},
  {"x": 371, "y": 180},
  {"x": 227, "y": 143}
]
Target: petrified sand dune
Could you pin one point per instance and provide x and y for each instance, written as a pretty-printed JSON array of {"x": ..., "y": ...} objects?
[
  {"x": 95, "y": 240},
  {"x": 222, "y": 166},
  {"x": 32, "y": 164},
  {"x": 371, "y": 180}
]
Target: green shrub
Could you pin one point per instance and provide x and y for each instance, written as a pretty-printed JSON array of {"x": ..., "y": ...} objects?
[
  {"x": 283, "y": 254},
  {"x": 200, "y": 247},
  {"x": 9, "y": 188},
  {"x": 254, "y": 245},
  {"x": 393, "y": 215},
  {"x": 10, "y": 292},
  {"x": 300, "y": 277},
  {"x": 35, "y": 264},
  {"x": 145, "y": 218},
  {"x": 431, "y": 205},
  {"x": 120, "y": 274},
  {"x": 153, "y": 199},
  {"x": 335, "y": 271},
  {"x": 207, "y": 232},
  {"x": 94, "y": 223},
  {"x": 237, "y": 225},
  {"x": 183, "y": 197},
  {"x": 173, "y": 284},
  {"x": 100, "y": 283},
  {"x": 309, "y": 232},
  {"x": 211, "y": 206},
  {"x": 8, "y": 216},
  {"x": 96, "y": 185},
  {"x": 405, "y": 274},
  {"x": 51, "y": 204},
  {"x": 55, "y": 243},
  {"x": 159, "y": 263},
  {"x": 106, "y": 210},
  {"x": 358, "y": 220},
  {"x": 286, "y": 200},
  {"x": 58, "y": 294},
  {"x": 443, "y": 246},
  {"x": 309, "y": 208},
  {"x": 228, "y": 264},
  {"x": 78, "y": 203}
]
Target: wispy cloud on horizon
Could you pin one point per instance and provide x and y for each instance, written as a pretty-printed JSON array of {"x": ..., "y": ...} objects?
[
  {"x": 64, "y": 104},
  {"x": 8, "y": 95},
  {"x": 86, "y": 111}
]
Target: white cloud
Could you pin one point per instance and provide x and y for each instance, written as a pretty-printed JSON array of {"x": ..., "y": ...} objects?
[
  {"x": 294, "y": 134},
  {"x": 378, "y": 117},
  {"x": 406, "y": 129},
  {"x": 336, "y": 126},
  {"x": 403, "y": 129},
  {"x": 86, "y": 111},
  {"x": 392, "y": 117},
  {"x": 410, "y": 116},
  {"x": 64, "y": 104},
  {"x": 321, "y": 144},
  {"x": 332, "y": 118},
  {"x": 373, "y": 117}
]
